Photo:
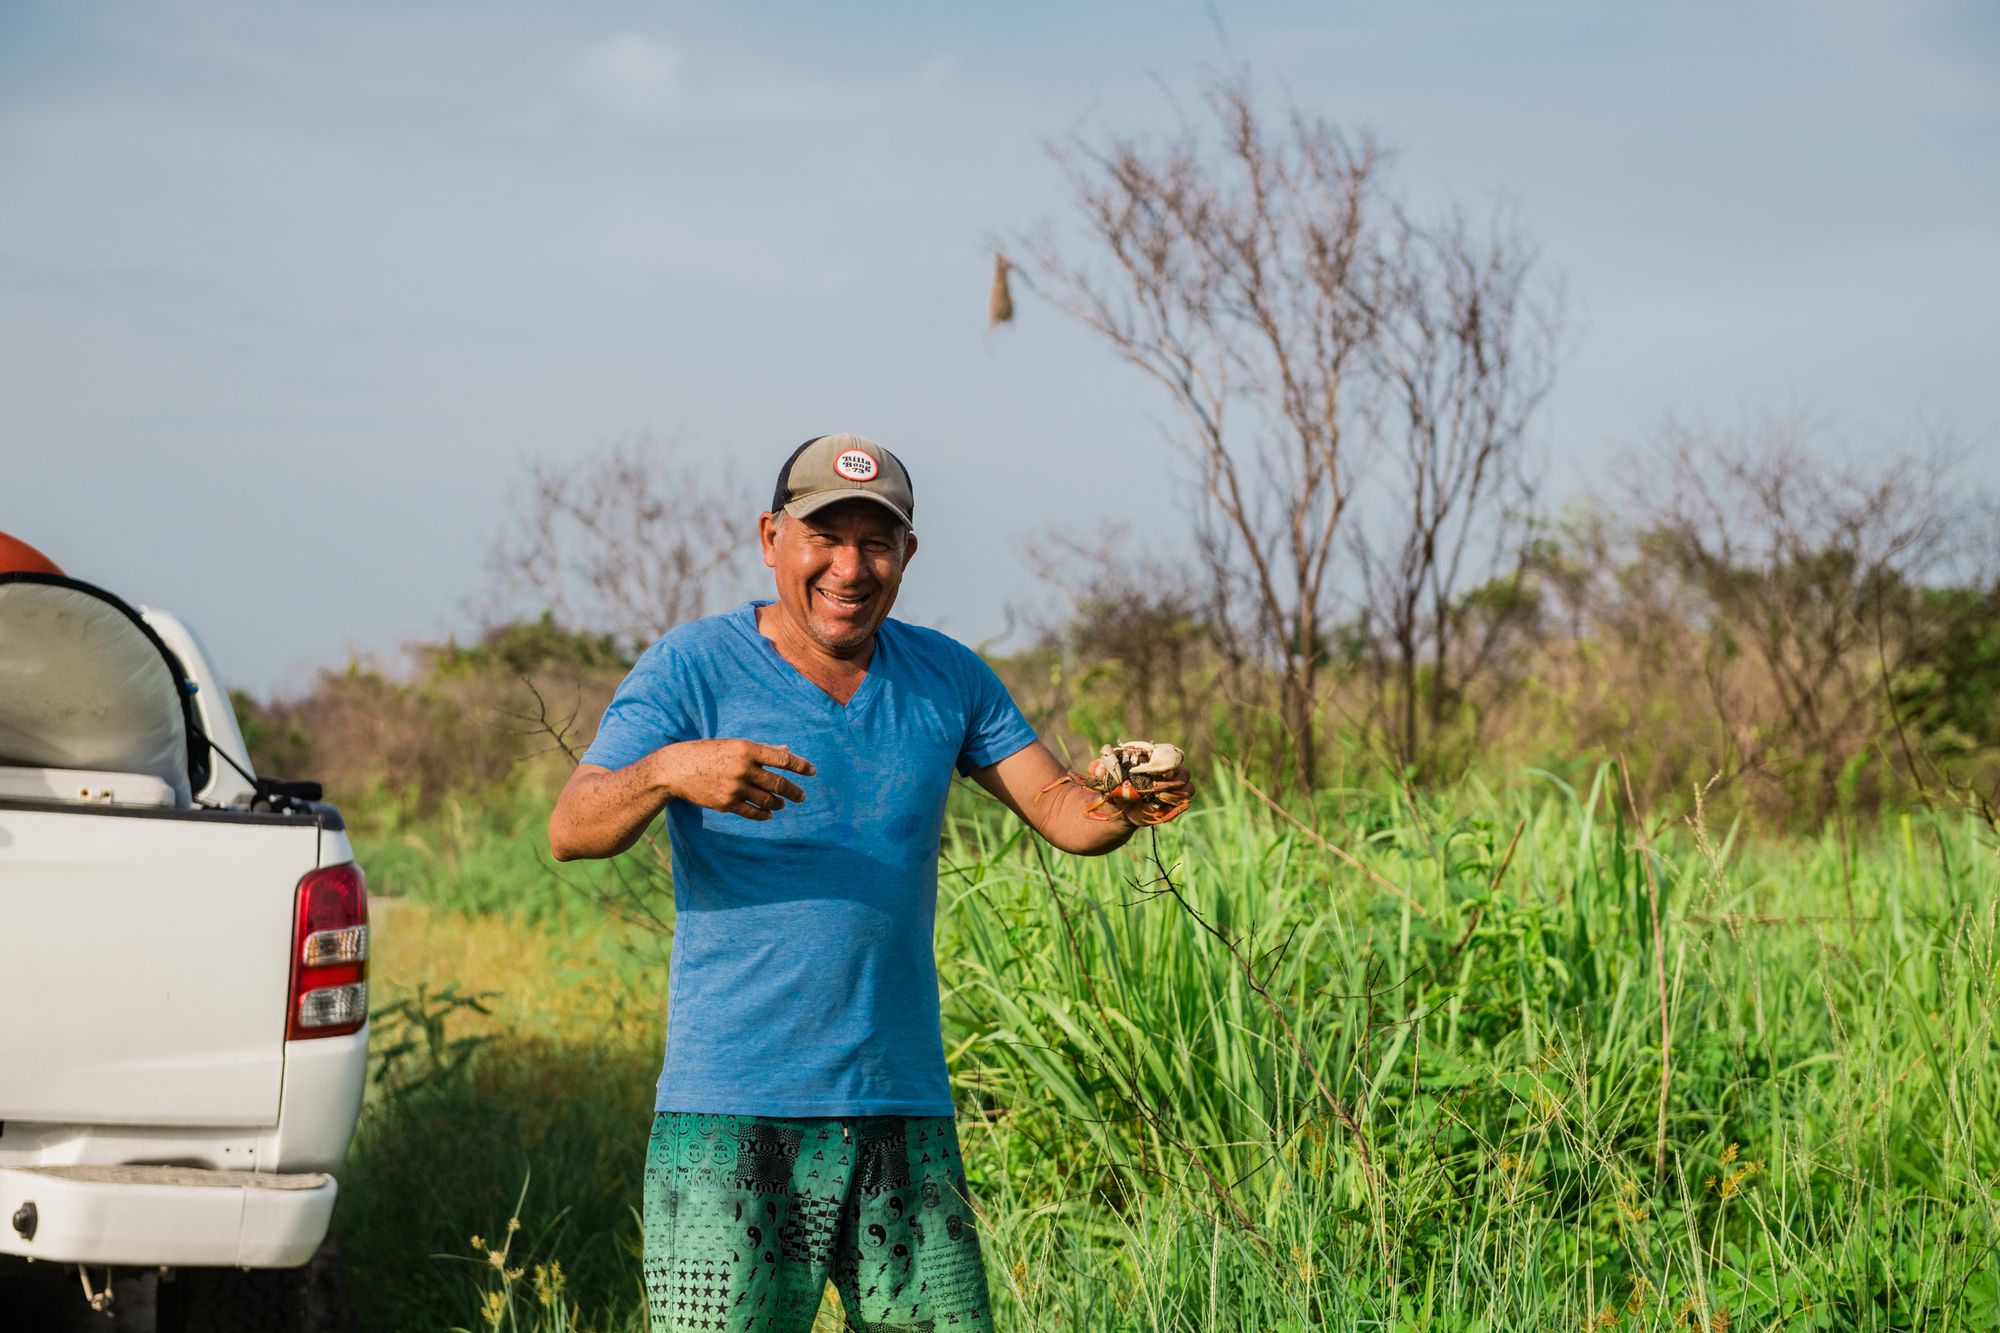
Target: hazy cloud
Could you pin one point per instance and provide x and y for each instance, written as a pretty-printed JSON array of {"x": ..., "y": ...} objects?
[
  {"x": 650, "y": 80},
  {"x": 29, "y": 276},
  {"x": 633, "y": 74},
  {"x": 940, "y": 68}
]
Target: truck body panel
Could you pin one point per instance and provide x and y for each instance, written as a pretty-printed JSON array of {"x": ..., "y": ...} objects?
[
  {"x": 169, "y": 1215},
  {"x": 151, "y": 960}
]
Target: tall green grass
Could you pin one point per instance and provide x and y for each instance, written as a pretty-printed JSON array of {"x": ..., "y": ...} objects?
[
  {"x": 1224, "y": 1080},
  {"x": 508, "y": 1095},
  {"x": 488, "y": 853}
]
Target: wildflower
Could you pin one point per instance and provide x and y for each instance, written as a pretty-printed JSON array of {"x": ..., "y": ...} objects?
[
  {"x": 1732, "y": 1184},
  {"x": 513, "y": 1225},
  {"x": 1729, "y": 1153},
  {"x": 548, "y": 1284},
  {"x": 478, "y": 1243},
  {"x": 1630, "y": 1214},
  {"x": 497, "y": 1258},
  {"x": 1719, "y": 1322}
]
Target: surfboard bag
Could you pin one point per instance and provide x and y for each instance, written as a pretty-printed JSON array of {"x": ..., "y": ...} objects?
[{"x": 87, "y": 686}]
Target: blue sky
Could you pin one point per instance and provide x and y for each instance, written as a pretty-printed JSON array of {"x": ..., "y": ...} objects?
[{"x": 291, "y": 294}]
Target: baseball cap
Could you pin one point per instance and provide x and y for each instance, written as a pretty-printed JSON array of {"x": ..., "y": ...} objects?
[{"x": 830, "y": 468}]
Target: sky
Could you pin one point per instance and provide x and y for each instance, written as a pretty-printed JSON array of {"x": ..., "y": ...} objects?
[{"x": 293, "y": 295}]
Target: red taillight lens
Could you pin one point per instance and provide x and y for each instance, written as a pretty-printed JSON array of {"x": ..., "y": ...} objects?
[{"x": 329, "y": 993}]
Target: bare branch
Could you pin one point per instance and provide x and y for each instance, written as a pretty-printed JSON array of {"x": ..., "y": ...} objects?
[
  {"x": 1235, "y": 272},
  {"x": 631, "y": 540}
]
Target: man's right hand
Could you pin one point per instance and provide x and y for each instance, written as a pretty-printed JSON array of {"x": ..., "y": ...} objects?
[
  {"x": 735, "y": 777},
  {"x": 602, "y": 811}
]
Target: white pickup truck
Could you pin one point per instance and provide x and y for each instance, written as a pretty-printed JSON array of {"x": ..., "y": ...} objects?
[{"x": 183, "y": 972}]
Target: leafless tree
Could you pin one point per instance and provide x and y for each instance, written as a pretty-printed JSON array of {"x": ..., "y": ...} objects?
[
  {"x": 1818, "y": 569},
  {"x": 1242, "y": 278},
  {"x": 1464, "y": 352},
  {"x": 630, "y": 540},
  {"x": 1300, "y": 318}
]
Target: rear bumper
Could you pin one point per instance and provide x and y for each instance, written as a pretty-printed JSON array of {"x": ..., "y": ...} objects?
[{"x": 177, "y": 1216}]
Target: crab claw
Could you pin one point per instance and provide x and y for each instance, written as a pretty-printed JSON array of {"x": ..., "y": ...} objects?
[{"x": 1154, "y": 756}]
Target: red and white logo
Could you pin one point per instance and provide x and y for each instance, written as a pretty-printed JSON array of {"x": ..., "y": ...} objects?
[{"x": 856, "y": 465}]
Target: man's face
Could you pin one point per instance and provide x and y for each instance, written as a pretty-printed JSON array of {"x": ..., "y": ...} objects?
[{"x": 837, "y": 571}]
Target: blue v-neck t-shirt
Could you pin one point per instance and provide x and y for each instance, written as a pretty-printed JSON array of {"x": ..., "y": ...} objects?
[{"x": 803, "y": 977}]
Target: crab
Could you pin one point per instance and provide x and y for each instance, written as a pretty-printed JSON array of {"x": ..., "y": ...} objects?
[{"x": 1132, "y": 780}]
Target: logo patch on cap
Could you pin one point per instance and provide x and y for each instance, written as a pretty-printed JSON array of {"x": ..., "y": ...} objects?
[{"x": 856, "y": 465}]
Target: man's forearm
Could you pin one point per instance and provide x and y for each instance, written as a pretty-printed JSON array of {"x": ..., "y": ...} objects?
[
  {"x": 1069, "y": 829},
  {"x": 602, "y": 814}
]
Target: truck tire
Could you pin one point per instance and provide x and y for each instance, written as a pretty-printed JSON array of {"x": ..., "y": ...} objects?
[{"x": 234, "y": 1300}]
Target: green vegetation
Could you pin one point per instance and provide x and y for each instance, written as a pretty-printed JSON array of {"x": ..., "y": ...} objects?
[{"x": 1229, "y": 1080}]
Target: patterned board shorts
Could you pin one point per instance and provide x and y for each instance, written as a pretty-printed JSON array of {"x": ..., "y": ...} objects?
[{"x": 747, "y": 1217}]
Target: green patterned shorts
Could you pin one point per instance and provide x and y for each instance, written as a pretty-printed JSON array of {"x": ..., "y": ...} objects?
[{"x": 748, "y": 1217}]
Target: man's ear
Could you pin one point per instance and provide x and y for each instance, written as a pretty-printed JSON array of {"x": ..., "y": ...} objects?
[
  {"x": 767, "y": 538},
  {"x": 909, "y": 548}
]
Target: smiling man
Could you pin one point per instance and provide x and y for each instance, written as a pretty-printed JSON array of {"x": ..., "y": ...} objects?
[{"x": 802, "y": 749}]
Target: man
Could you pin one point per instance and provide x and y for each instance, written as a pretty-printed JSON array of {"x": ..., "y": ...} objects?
[{"x": 802, "y": 749}]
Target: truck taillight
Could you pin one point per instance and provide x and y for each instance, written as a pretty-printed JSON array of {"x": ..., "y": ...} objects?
[{"x": 329, "y": 993}]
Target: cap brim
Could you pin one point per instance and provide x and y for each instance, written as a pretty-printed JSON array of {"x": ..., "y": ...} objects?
[{"x": 812, "y": 504}]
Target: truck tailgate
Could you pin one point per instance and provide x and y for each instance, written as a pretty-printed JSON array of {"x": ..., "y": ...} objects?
[{"x": 144, "y": 963}]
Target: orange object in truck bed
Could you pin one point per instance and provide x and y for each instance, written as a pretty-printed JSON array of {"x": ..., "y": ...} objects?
[{"x": 17, "y": 557}]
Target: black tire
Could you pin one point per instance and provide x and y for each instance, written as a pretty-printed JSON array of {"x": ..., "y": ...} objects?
[{"x": 234, "y": 1300}]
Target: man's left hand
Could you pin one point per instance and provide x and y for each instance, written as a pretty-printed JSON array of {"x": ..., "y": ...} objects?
[
  {"x": 1026, "y": 782},
  {"x": 1175, "y": 787}
]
